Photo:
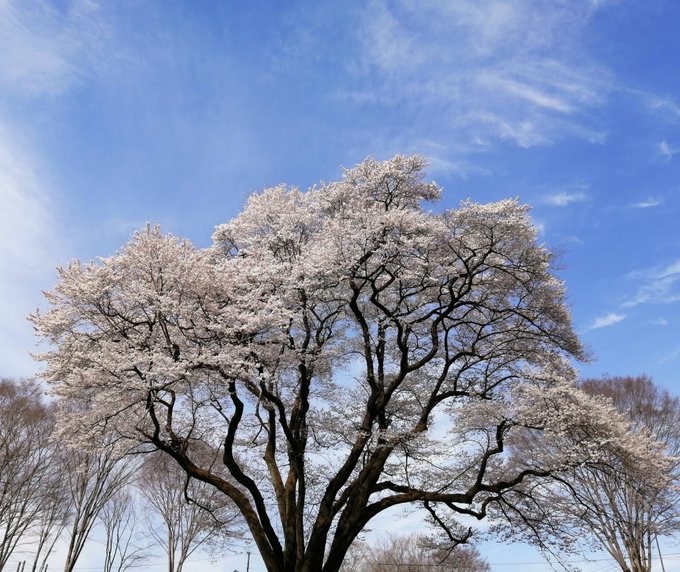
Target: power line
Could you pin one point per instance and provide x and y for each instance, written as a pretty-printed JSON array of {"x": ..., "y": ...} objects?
[{"x": 672, "y": 556}]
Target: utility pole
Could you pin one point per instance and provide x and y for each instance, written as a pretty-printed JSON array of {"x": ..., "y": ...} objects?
[
  {"x": 658, "y": 548},
  {"x": 248, "y": 563}
]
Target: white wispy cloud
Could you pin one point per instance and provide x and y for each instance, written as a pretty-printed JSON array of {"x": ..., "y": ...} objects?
[
  {"x": 483, "y": 65},
  {"x": 540, "y": 226},
  {"x": 30, "y": 245},
  {"x": 648, "y": 203},
  {"x": 390, "y": 46},
  {"x": 522, "y": 91},
  {"x": 45, "y": 49},
  {"x": 670, "y": 356},
  {"x": 608, "y": 320},
  {"x": 659, "y": 285},
  {"x": 565, "y": 198},
  {"x": 667, "y": 151},
  {"x": 664, "y": 105}
]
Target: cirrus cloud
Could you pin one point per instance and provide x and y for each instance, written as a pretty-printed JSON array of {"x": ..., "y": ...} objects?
[
  {"x": 564, "y": 199},
  {"x": 45, "y": 50},
  {"x": 482, "y": 65},
  {"x": 607, "y": 320},
  {"x": 660, "y": 285}
]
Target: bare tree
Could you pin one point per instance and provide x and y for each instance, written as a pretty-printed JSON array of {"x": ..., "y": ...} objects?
[
  {"x": 121, "y": 521},
  {"x": 53, "y": 519},
  {"x": 415, "y": 553},
  {"x": 346, "y": 350},
  {"x": 94, "y": 477},
  {"x": 31, "y": 503},
  {"x": 192, "y": 514},
  {"x": 354, "y": 559}
]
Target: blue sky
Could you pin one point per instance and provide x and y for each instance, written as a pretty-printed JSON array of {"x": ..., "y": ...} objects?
[{"x": 117, "y": 113}]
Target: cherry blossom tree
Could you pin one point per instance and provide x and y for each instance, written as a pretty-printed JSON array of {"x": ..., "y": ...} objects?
[
  {"x": 606, "y": 505},
  {"x": 632, "y": 517},
  {"x": 345, "y": 350}
]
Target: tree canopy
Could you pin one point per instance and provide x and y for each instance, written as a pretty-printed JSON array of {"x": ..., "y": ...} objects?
[
  {"x": 606, "y": 505},
  {"x": 334, "y": 354}
]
